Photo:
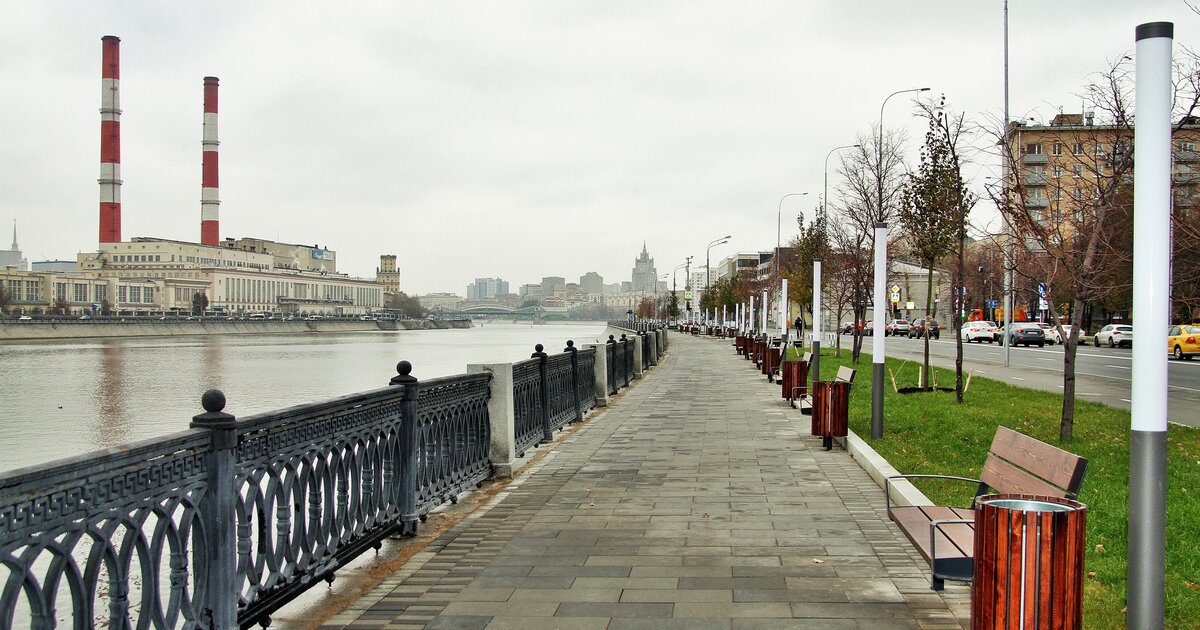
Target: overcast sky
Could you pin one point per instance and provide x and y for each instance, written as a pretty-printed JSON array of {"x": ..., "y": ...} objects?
[{"x": 508, "y": 139}]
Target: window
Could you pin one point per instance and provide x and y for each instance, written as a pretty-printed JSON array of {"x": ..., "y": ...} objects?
[
  {"x": 1033, "y": 148},
  {"x": 1058, "y": 170},
  {"x": 1056, "y": 194},
  {"x": 148, "y": 295},
  {"x": 122, "y": 293},
  {"x": 1077, "y": 149},
  {"x": 1077, "y": 171},
  {"x": 1187, "y": 145},
  {"x": 101, "y": 292},
  {"x": 135, "y": 294},
  {"x": 81, "y": 292},
  {"x": 60, "y": 290},
  {"x": 1098, "y": 149},
  {"x": 1057, "y": 148}
]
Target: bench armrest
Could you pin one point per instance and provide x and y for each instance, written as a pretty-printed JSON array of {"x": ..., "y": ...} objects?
[
  {"x": 887, "y": 484},
  {"x": 935, "y": 524}
]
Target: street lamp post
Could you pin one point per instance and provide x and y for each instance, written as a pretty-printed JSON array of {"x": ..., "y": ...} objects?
[
  {"x": 675, "y": 283},
  {"x": 816, "y": 327},
  {"x": 880, "y": 282},
  {"x": 707, "y": 269}
]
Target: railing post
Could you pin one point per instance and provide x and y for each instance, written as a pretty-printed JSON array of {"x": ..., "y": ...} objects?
[
  {"x": 503, "y": 417},
  {"x": 408, "y": 448},
  {"x": 547, "y": 434},
  {"x": 574, "y": 378},
  {"x": 638, "y": 363},
  {"x": 612, "y": 365},
  {"x": 600, "y": 373},
  {"x": 219, "y": 516},
  {"x": 625, "y": 359}
]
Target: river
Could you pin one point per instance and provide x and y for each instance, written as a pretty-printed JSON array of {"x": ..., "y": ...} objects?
[{"x": 63, "y": 398}]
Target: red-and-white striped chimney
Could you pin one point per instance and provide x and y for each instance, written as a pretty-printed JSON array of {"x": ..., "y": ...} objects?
[
  {"x": 110, "y": 141},
  {"x": 210, "y": 201}
]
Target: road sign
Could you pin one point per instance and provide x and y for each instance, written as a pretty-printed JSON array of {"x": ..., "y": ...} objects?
[
  {"x": 895, "y": 288},
  {"x": 993, "y": 303},
  {"x": 687, "y": 295},
  {"x": 910, "y": 305},
  {"x": 895, "y": 297}
]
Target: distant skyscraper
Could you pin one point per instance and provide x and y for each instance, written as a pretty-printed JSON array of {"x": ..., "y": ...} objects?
[
  {"x": 644, "y": 273},
  {"x": 591, "y": 282},
  {"x": 484, "y": 288},
  {"x": 550, "y": 284},
  {"x": 13, "y": 257}
]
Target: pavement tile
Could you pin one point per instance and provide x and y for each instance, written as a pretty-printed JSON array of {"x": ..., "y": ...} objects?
[{"x": 614, "y": 609}]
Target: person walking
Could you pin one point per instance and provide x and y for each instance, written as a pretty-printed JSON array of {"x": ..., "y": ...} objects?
[{"x": 799, "y": 325}]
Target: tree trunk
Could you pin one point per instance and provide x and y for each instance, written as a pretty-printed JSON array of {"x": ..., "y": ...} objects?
[
  {"x": 926, "y": 381},
  {"x": 1066, "y": 429},
  {"x": 956, "y": 322}
]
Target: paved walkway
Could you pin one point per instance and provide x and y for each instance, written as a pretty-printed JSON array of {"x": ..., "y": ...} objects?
[{"x": 696, "y": 500}]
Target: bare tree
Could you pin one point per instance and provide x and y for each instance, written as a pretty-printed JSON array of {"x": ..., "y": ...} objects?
[
  {"x": 1072, "y": 224},
  {"x": 875, "y": 164},
  {"x": 6, "y": 299}
]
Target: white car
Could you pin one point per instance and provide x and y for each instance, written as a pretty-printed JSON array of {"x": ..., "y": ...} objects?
[
  {"x": 1114, "y": 335},
  {"x": 1052, "y": 335},
  {"x": 980, "y": 331}
]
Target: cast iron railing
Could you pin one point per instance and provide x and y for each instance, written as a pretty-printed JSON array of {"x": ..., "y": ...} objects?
[{"x": 228, "y": 521}]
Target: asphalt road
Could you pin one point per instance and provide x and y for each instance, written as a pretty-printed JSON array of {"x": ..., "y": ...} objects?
[{"x": 1102, "y": 374}]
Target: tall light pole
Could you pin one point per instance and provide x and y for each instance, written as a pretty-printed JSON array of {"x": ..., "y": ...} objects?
[
  {"x": 877, "y": 349},
  {"x": 675, "y": 283},
  {"x": 1006, "y": 154},
  {"x": 825, "y": 194},
  {"x": 707, "y": 270},
  {"x": 816, "y": 328},
  {"x": 778, "y": 217}
]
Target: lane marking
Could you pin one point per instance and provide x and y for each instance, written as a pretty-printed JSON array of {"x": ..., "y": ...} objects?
[{"x": 1127, "y": 400}]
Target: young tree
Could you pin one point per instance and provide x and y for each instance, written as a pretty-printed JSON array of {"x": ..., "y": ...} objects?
[
  {"x": 409, "y": 307},
  {"x": 933, "y": 209},
  {"x": 61, "y": 306},
  {"x": 6, "y": 299},
  {"x": 199, "y": 303}
]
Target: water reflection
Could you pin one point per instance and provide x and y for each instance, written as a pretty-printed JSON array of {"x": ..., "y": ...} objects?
[{"x": 69, "y": 397}]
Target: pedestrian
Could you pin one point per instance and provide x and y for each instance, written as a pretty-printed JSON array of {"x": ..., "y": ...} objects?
[{"x": 800, "y": 329}]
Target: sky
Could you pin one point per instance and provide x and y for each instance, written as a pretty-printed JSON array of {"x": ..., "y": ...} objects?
[{"x": 513, "y": 139}]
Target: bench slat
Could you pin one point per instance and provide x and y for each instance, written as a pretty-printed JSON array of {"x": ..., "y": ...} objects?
[
  {"x": 1059, "y": 467},
  {"x": 914, "y": 522},
  {"x": 846, "y": 374},
  {"x": 1004, "y": 477}
]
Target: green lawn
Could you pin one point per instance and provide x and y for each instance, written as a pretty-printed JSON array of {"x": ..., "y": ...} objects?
[{"x": 930, "y": 433}]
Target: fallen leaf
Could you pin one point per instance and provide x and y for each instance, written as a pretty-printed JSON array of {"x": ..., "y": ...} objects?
[
  {"x": 1099, "y": 548},
  {"x": 705, "y": 515},
  {"x": 1091, "y": 574},
  {"x": 818, "y": 561},
  {"x": 1193, "y": 586}
]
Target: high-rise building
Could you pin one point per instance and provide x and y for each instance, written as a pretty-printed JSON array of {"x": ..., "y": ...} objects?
[
  {"x": 591, "y": 282},
  {"x": 550, "y": 284},
  {"x": 644, "y": 274},
  {"x": 486, "y": 288}
]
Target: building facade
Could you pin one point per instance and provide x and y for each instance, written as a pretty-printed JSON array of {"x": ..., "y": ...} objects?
[
  {"x": 387, "y": 274},
  {"x": 645, "y": 276},
  {"x": 591, "y": 282},
  {"x": 13, "y": 258}
]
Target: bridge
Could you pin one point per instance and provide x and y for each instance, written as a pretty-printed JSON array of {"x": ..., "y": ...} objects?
[
  {"x": 649, "y": 482},
  {"x": 500, "y": 311}
]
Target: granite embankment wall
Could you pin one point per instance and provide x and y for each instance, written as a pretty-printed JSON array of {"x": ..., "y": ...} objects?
[{"x": 68, "y": 329}]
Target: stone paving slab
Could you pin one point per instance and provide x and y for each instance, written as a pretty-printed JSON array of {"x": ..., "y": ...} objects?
[{"x": 697, "y": 499}]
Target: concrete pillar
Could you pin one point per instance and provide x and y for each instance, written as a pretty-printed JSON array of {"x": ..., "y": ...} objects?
[
  {"x": 601, "y": 370},
  {"x": 638, "y": 368},
  {"x": 660, "y": 337},
  {"x": 501, "y": 416}
]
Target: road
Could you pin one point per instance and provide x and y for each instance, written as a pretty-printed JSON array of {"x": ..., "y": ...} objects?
[{"x": 1103, "y": 374}]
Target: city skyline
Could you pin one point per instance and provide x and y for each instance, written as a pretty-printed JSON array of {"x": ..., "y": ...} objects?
[{"x": 517, "y": 133}]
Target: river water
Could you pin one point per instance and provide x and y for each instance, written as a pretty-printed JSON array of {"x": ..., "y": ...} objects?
[{"x": 64, "y": 398}]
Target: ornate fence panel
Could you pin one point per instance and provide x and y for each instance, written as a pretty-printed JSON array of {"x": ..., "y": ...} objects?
[
  {"x": 527, "y": 404},
  {"x": 107, "y": 539},
  {"x": 453, "y": 437},
  {"x": 586, "y": 385},
  {"x": 560, "y": 389},
  {"x": 647, "y": 357},
  {"x": 629, "y": 349},
  {"x": 316, "y": 486}
]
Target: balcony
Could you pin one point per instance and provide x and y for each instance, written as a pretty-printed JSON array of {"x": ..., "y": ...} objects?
[
  {"x": 1187, "y": 156},
  {"x": 1035, "y": 179},
  {"x": 1186, "y": 177},
  {"x": 1035, "y": 158},
  {"x": 1036, "y": 202}
]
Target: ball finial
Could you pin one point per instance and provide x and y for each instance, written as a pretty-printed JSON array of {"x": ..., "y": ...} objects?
[
  {"x": 213, "y": 401},
  {"x": 538, "y": 348},
  {"x": 570, "y": 344},
  {"x": 404, "y": 368}
]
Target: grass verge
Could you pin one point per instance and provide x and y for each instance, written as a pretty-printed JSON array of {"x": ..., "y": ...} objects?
[{"x": 928, "y": 432}]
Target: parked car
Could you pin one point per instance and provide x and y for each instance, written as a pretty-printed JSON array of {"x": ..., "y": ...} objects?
[
  {"x": 1114, "y": 335},
  {"x": 918, "y": 330},
  {"x": 1026, "y": 334},
  {"x": 1183, "y": 342},
  {"x": 980, "y": 331},
  {"x": 1052, "y": 334},
  {"x": 897, "y": 327},
  {"x": 24, "y": 318},
  {"x": 847, "y": 328}
]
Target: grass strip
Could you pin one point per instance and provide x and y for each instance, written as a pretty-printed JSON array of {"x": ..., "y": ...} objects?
[{"x": 928, "y": 432}]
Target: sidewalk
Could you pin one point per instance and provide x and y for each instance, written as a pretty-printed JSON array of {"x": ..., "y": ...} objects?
[{"x": 695, "y": 500}]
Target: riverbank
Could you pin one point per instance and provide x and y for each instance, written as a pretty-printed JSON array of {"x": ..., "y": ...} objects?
[{"x": 130, "y": 327}]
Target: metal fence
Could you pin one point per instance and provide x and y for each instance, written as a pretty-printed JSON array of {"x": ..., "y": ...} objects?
[{"x": 226, "y": 522}]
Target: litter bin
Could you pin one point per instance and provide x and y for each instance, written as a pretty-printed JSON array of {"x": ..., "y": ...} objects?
[
  {"x": 831, "y": 410},
  {"x": 794, "y": 376},
  {"x": 1028, "y": 562}
]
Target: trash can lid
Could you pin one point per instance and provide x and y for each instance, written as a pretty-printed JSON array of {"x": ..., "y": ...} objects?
[{"x": 1027, "y": 505}]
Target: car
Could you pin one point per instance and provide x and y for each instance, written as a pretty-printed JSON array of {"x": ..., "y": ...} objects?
[
  {"x": 1026, "y": 334},
  {"x": 1114, "y": 335},
  {"x": 980, "y": 331},
  {"x": 24, "y": 318},
  {"x": 1183, "y": 342},
  {"x": 897, "y": 327},
  {"x": 366, "y": 318},
  {"x": 1052, "y": 334},
  {"x": 847, "y": 328},
  {"x": 918, "y": 330},
  {"x": 85, "y": 317}
]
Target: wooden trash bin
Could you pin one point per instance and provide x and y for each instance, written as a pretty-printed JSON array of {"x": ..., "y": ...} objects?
[
  {"x": 794, "y": 378},
  {"x": 1028, "y": 562},
  {"x": 831, "y": 410},
  {"x": 770, "y": 360}
]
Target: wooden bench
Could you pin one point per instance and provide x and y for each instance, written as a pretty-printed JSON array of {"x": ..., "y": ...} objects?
[
  {"x": 1016, "y": 464},
  {"x": 844, "y": 375}
]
